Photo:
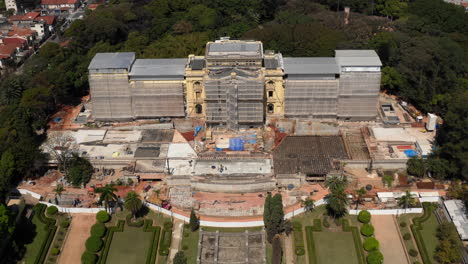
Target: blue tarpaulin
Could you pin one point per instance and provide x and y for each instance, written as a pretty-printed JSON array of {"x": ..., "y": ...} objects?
[
  {"x": 410, "y": 153},
  {"x": 58, "y": 119},
  {"x": 197, "y": 129}
]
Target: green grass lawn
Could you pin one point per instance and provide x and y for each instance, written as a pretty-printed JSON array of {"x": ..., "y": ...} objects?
[
  {"x": 429, "y": 235},
  {"x": 130, "y": 246},
  {"x": 32, "y": 249},
  {"x": 335, "y": 247},
  {"x": 191, "y": 243}
]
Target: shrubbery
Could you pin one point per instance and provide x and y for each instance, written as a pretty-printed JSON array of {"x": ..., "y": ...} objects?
[
  {"x": 325, "y": 222},
  {"x": 94, "y": 244},
  {"x": 138, "y": 223},
  {"x": 403, "y": 224},
  {"x": 52, "y": 210},
  {"x": 54, "y": 251},
  {"x": 367, "y": 230},
  {"x": 407, "y": 236},
  {"x": 297, "y": 226},
  {"x": 375, "y": 257},
  {"x": 102, "y": 217},
  {"x": 65, "y": 223},
  {"x": 371, "y": 244},
  {"x": 413, "y": 252},
  {"x": 88, "y": 258},
  {"x": 168, "y": 225},
  {"x": 300, "y": 251},
  {"x": 364, "y": 217},
  {"x": 98, "y": 230},
  {"x": 164, "y": 252}
]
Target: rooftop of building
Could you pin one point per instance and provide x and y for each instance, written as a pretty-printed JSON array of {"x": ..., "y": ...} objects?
[
  {"x": 58, "y": 2},
  {"x": 456, "y": 210},
  {"x": 234, "y": 48},
  {"x": 167, "y": 69},
  {"x": 357, "y": 58},
  {"x": 310, "y": 65},
  {"x": 116, "y": 60}
]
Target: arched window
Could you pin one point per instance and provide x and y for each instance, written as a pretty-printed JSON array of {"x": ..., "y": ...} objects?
[
  {"x": 270, "y": 84},
  {"x": 197, "y": 86},
  {"x": 198, "y": 108},
  {"x": 271, "y": 108}
]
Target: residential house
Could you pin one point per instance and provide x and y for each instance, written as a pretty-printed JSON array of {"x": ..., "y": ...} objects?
[
  {"x": 11, "y": 4},
  {"x": 49, "y": 20},
  {"x": 60, "y": 5}
]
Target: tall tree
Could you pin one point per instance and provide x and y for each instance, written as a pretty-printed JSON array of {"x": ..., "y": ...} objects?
[
  {"x": 133, "y": 203},
  {"x": 7, "y": 225},
  {"x": 7, "y": 171},
  {"x": 337, "y": 203},
  {"x": 360, "y": 192},
  {"x": 336, "y": 183},
  {"x": 180, "y": 258},
  {"x": 308, "y": 204},
  {"x": 406, "y": 200},
  {"x": 107, "y": 195},
  {"x": 194, "y": 222}
]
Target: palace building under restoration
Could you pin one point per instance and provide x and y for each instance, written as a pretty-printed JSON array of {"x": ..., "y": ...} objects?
[{"x": 236, "y": 84}]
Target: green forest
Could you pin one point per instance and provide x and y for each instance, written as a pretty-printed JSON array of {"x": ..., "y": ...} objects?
[{"x": 423, "y": 45}]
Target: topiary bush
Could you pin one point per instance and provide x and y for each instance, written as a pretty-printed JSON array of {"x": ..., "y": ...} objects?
[
  {"x": 407, "y": 236},
  {"x": 375, "y": 257},
  {"x": 367, "y": 230},
  {"x": 297, "y": 226},
  {"x": 102, "y": 217},
  {"x": 364, "y": 217},
  {"x": 164, "y": 252},
  {"x": 88, "y": 258},
  {"x": 94, "y": 244},
  {"x": 168, "y": 225},
  {"x": 98, "y": 230},
  {"x": 65, "y": 223},
  {"x": 371, "y": 244},
  {"x": 54, "y": 251},
  {"x": 300, "y": 251},
  {"x": 52, "y": 210},
  {"x": 413, "y": 252},
  {"x": 403, "y": 224}
]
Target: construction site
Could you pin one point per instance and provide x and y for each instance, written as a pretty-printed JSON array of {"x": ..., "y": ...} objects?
[{"x": 216, "y": 133}]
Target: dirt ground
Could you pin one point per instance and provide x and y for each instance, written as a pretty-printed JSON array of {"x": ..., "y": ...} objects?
[
  {"x": 386, "y": 232},
  {"x": 75, "y": 243}
]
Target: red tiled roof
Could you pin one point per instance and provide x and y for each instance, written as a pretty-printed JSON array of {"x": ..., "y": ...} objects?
[
  {"x": 58, "y": 2},
  {"x": 16, "y": 31},
  {"x": 14, "y": 40},
  {"x": 8, "y": 49},
  {"x": 48, "y": 19},
  {"x": 425, "y": 185},
  {"x": 26, "y": 17},
  {"x": 93, "y": 6}
]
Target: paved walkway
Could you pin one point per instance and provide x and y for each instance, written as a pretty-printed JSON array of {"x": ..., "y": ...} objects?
[
  {"x": 391, "y": 245},
  {"x": 176, "y": 238},
  {"x": 288, "y": 248},
  {"x": 75, "y": 243}
]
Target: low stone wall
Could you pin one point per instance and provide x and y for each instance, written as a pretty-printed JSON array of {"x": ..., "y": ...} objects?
[{"x": 234, "y": 188}]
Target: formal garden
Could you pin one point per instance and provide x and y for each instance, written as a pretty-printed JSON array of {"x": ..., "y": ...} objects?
[
  {"x": 47, "y": 231},
  {"x": 111, "y": 238}
]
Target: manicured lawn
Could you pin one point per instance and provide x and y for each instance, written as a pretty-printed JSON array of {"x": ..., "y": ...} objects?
[
  {"x": 32, "y": 250},
  {"x": 428, "y": 234},
  {"x": 191, "y": 243},
  {"x": 407, "y": 218},
  {"x": 334, "y": 247},
  {"x": 130, "y": 246}
]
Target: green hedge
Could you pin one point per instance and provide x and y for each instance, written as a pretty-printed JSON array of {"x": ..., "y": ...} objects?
[
  {"x": 297, "y": 226},
  {"x": 364, "y": 216},
  {"x": 108, "y": 239},
  {"x": 138, "y": 223},
  {"x": 52, "y": 210},
  {"x": 98, "y": 229},
  {"x": 50, "y": 228},
  {"x": 371, "y": 244},
  {"x": 94, "y": 244},
  {"x": 357, "y": 240},
  {"x": 88, "y": 258},
  {"x": 156, "y": 230},
  {"x": 103, "y": 217},
  {"x": 417, "y": 227},
  {"x": 298, "y": 239},
  {"x": 367, "y": 230},
  {"x": 166, "y": 239}
]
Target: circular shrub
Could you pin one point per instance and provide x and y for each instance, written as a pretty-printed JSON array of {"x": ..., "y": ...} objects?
[
  {"x": 300, "y": 251},
  {"x": 98, "y": 230},
  {"x": 88, "y": 258},
  {"x": 297, "y": 226},
  {"x": 364, "y": 217},
  {"x": 367, "y": 230},
  {"x": 371, "y": 244},
  {"x": 407, "y": 236},
  {"x": 52, "y": 210},
  {"x": 102, "y": 217},
  {"x": 412, "y": 252},
  {"x": 403, "y": 224},
  {"x": 65, "y": 223},
  {"x": 184, "y": 247},
  {"x": 168, "y": 225},
  {"x": 375, "y": 257},
  {"x": 94, "y": 244},
  {"x": 164, "y": 252},
  {"x": 54, "y": 251}
]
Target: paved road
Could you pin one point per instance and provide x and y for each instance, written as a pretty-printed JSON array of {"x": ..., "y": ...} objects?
[
  {"x": 176, "y": 239},
  {"x": 75, "y": 243},
  {"x": 391, "y": 245}
]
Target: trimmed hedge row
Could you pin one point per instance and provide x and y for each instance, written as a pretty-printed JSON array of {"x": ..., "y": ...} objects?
[
  {"x": 311, "y": 243},
  {"x": 299, "y": 242},
  {"x": 357, "y": 240},
  {"x": 166, "y": 239},
  {"x": 156, "y": 230},
  {"x": 108, "y": 239},
  {"x": 50, "y": 228},
  {"x": 417, "y": 227},
  {"x": 138, "y": 223}
]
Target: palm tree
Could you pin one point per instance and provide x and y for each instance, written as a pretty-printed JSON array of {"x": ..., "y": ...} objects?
[
  {"x": 107, "y": 195},
  {"x": 308, "y": 204},
  {"x": 360, "y": 193},
  {"x": 336, "y": 183},
  {"x": 58, "y": 192},
  {"x": 337, "y": 203},
  {"x": 406, "y": 200},
  {"x": 133, "y": 203}
]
